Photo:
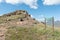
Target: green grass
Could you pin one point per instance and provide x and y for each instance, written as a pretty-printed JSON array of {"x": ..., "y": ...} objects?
[
  {"x": 31, "y": 33},
  {"x": 3, "y": 19}
]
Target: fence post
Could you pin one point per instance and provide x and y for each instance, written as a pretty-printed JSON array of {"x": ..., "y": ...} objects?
[
  {"x": 53, "y": 27},
  {"x": 45, "y": 30},
  {"x": 53, "y": 23},
  {"x": 45, "y": 23}
]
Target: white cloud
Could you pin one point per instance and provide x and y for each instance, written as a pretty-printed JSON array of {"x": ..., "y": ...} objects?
[
  {"x": 51, "y": 2},
  {"x": 0, "y": 1},
  {"x": 40, "y": 17},
  {"x": 32, "y": 16},
  {"x": 30, "y": 3},
  {"x": 13, "y": 1}
]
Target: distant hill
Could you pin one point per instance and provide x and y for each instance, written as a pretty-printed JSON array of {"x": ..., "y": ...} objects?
[{"x": 57, "y": 23}]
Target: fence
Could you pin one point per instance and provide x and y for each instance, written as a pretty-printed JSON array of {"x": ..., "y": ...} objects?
[{"x": 45, "y": 22}]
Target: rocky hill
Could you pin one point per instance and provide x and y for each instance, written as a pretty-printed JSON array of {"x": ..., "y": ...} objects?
[
  {"x": 19, "y": 18},
  {"x": 19, "y": 25}
]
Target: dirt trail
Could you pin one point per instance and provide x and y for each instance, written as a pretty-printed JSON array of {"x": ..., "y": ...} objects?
[{"x": 2, "y": 32}]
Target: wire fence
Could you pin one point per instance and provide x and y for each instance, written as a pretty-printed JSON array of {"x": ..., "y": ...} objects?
[{"x": 50, "y": 36}]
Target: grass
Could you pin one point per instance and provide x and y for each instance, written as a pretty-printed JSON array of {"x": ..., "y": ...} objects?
[
  {"x": 31, "y": 33},
  {"x": 4, "y": 19}
]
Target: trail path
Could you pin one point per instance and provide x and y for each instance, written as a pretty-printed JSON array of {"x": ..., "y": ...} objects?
[{"x": 2, "y": 32}]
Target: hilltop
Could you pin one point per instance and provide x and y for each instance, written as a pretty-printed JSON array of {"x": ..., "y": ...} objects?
[{"x": 18, "y": 17}]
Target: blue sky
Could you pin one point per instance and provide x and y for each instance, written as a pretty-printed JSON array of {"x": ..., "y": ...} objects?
[{"x": 37, "y": 8}]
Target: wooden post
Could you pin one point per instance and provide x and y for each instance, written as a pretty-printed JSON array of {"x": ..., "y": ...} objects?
[
  {"x": 45, "y": 30},
  {"x": 45, "y": 23},
  {"x": 53, "y": 27},
  {"x": 53, "y": 23}
]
